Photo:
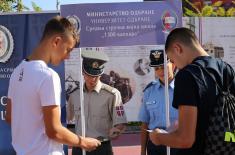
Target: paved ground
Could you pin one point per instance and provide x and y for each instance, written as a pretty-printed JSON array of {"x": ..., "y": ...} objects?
[
  {"x": 127, "y": 150},
  {"x": 126, "y": 144}
]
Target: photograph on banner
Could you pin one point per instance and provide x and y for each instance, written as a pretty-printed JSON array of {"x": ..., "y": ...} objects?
[
  {"x": 217, "y": 40},
  {"x": 209, "y": 8},
  {"x": 192, "y": 23},
  {"x": 127, "y": 70}
]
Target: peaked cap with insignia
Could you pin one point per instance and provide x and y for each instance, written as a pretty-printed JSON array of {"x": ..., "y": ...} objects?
[
  {"x": 93, "y": 62},
  {"x": 156, "y": 58}
]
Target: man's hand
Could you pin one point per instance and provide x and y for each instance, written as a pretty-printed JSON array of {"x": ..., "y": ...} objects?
[
  {"x": 144, "y": 137},
  {"x": 89, "y": 144},
  {"x": 114, "y": 132},
  {"x": 153, "y": 136}
]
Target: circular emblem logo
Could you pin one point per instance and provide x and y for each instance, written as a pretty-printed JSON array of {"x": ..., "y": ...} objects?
[
  {"x": 76, "y": 22},
  {"x": 6, "y": 44},
  {"x": 169, "y": 21},
  {"x": 95, "y": 65}
]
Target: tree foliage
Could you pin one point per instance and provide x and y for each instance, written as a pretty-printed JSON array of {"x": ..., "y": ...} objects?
[
  {"x": 216, "y": 9},
  {"x": 7, "y": 5},
  {"x": 16, "y": 6},
  {"x": 36, "y": 7}
]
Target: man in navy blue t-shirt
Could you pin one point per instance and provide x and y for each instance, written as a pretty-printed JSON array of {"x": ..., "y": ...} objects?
[{"x": 191, "y": 97}]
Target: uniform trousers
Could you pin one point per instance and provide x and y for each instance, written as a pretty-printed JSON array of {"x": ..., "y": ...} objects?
[
  {"x": 153, "y": 149},
  {"x": 104, "y": 149}
]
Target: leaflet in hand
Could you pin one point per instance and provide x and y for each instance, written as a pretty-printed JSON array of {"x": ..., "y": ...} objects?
[
  {"x": 162, "y": 131},
  {"x": 159, "y": 130}
]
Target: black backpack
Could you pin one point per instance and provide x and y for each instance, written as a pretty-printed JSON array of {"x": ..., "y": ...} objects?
[{"x": 220, "y": 133}]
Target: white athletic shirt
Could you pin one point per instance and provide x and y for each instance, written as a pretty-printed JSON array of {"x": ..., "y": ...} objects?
[{"x": 33, "y": 85}]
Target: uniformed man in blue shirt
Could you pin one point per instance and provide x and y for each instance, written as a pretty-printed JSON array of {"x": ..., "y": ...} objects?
[{"x": 153, "y": 110}]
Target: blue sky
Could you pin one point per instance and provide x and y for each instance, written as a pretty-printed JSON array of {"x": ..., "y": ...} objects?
[{"x": 51, "y": 4}]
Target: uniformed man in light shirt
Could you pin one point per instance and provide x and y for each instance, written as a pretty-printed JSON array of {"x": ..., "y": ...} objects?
[{"x": 104, "y": 112}]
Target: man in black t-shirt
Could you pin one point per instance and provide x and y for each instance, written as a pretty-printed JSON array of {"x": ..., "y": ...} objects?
[{"x": 192, "y": 97}]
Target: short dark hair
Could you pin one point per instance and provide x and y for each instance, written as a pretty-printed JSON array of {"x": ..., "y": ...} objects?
[
  {"x": 182, "y": 35},
  {"x": 62, "y": 26}
]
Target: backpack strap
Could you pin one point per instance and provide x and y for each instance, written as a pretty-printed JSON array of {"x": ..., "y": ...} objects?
[
  {"x": 209, "y": 74},
  {"x": 228, "y": 82}
]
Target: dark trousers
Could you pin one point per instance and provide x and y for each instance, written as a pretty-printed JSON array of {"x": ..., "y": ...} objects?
[
  {"x": 153, "y": 149},
  {"x": 104, "y": 149}
]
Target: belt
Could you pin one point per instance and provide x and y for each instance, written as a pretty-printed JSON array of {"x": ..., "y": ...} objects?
[{"x": 103, "y": 140}]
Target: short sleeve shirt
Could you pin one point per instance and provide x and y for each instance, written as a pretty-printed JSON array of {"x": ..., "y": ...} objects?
[
  {"x": 153, "y": 108},
  {"x": 103, "y": 109},
  {"x": 185, "y": 92},
  {"x": 33, "y": 85},
  {"x": 190, "y": 90}
]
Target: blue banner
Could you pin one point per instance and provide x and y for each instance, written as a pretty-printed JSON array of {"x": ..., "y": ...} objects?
[
  {"x": 124, "y": 24},
  {"x": 19, "y": 34}
]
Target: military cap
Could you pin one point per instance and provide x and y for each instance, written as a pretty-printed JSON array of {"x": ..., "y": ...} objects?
[
  {"x": 156, "y": 58},
  {"x": 93, "y": 62}
]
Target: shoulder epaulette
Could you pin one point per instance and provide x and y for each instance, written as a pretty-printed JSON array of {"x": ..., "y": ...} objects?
[
  {"x": 149, "y": 85},
  {"x": 109, "y": 88}
]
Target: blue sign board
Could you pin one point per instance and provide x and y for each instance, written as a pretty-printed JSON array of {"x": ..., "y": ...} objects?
[{"x": 124, "y": 24}]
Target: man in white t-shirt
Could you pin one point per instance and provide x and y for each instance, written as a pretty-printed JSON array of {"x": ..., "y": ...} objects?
[{"x": 33, "y": 107}]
